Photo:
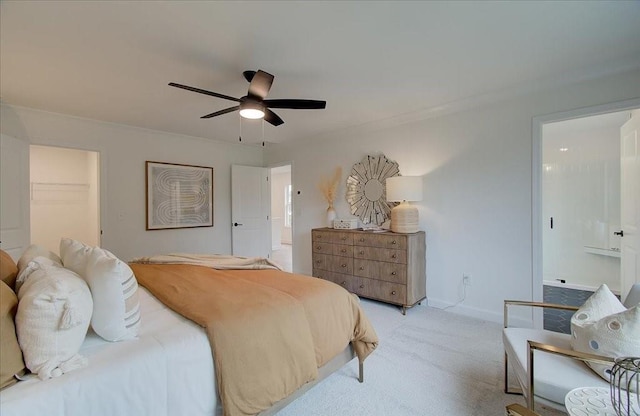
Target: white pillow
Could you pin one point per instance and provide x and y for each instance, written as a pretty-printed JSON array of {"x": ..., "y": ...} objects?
[
  {"x": 116, "y": 308},
  {"x": 74, "y": 255},
  {"x": 54, "y": 311},
  {"x": 33, "y": 265},
  {"x": 603, "y": 326},
  {"x": 34, "y": 251}
]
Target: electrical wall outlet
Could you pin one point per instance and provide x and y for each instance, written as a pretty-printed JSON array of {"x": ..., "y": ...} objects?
[{"x": 466, "y": 279}]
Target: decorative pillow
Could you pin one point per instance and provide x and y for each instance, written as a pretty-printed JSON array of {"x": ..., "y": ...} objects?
[
  {"x": 8, "y": 269},
  {"x": 116, "y": 308},
  {"x": 74, "y": 255},
  {"x": 33, "y": 265},
  {"x": 54, "y": 311},
  {"x": 604, "y": 326},
  {"x": 11, "y": 361},
  {"x": 34, "y": 251}
]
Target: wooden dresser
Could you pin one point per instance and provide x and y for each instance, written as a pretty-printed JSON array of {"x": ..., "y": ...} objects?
[{"x": 384, "y": 266}]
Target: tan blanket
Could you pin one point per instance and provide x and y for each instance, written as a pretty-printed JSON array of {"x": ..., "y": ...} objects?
[
  {"x": 269, "y": 330},
  {"x": 215, "y": 261}
]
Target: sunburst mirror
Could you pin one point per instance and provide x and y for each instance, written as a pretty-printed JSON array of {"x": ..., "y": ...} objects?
[{"x": 366, "y": 191}]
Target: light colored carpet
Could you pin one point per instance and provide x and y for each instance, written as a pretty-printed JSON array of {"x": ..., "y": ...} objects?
[{"x": 429, "y": 362}]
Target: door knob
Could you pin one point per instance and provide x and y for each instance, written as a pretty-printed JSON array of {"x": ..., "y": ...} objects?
[
  {"x": 235, "y": 224},
  {"x": 620, "y": 233}
]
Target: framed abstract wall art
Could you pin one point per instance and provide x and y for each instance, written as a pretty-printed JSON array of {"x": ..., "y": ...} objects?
[{"x": 178, "y": 196}]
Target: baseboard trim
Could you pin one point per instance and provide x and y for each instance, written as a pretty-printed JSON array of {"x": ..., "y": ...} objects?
[{"x": 479, "y": 313}]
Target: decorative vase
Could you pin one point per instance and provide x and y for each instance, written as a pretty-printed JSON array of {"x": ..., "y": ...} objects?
[{"x": 331, "y": 215}]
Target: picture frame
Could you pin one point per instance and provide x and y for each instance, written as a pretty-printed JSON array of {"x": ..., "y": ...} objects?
[{"x": 178, "y": 196}]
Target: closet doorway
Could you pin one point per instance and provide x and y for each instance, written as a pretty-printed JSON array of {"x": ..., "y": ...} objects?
[
  {"x": 282, "y": 217},
  {"x": 64, "y": 196}
]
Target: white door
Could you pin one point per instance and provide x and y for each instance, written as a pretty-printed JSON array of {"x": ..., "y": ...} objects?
[
  {"x": 14, "y": 195},
  {"x": 250, "y": 210},
  {"x": 630, "y": 203}
]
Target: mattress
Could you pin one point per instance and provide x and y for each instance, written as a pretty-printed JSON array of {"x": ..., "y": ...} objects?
[{"x": 167, "y": 370}]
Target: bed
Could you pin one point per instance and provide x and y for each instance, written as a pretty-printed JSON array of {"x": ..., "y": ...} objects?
[{"x": 167, "y": 370}]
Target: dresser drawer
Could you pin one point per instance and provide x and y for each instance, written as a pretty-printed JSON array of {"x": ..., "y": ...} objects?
[
  {"x": 322, "y": 247},
  {"x": 321, "y": 261},
  {"x": 346, "y": 281},
  {"x": 383, "y": 254},
  {"x": 393, "y": 241},
  {"x": 390, "y": 272},
  {"x": 335, "y": 237},
  {"x": 333, "y": 263},
  {"x": 341, "y": 264},
  {"x": 385, "y": 291},
  {"x": 335, "y": 249},
  {"x": 342, "y": 250}
]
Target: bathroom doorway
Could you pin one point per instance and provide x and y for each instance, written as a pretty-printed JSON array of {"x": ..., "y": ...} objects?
[
  {"x": 282, "y": 217},
  {"x": 580, "y": 210}
]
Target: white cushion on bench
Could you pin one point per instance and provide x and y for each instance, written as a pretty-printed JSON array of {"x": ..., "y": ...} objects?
[{"x": 555, "y": 376}]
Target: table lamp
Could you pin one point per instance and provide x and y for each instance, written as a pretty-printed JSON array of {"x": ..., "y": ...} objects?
[{"x": 404, "y": 217}]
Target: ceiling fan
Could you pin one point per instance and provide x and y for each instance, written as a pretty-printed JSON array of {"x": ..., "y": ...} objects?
[{"x": 254, "y": 105}]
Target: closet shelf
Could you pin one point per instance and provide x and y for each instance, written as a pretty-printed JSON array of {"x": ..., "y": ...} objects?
[{"x": 59, "y": 192}]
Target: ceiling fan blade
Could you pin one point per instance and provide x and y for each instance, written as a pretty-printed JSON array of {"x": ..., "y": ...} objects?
[
  {"x": 221, "y": 112},
  {"x": 296, "y": 104},
  {"x": 272, "y": 118},
  {"x": 248, "y": 75},
  {"x": 260, "y": 85},
  {"x": 198, "y": 90}
]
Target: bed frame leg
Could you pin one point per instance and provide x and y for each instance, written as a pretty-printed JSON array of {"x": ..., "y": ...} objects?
[{"x": 361, "y": 375}]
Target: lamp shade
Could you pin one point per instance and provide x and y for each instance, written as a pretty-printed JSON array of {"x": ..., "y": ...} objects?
[{"x": 404, "y": 188}]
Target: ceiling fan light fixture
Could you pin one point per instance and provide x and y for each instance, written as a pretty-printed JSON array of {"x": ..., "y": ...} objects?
[{"x": 251, "y": 110}]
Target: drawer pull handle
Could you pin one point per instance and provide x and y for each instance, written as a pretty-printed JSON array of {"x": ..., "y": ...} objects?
[
  {"x": 361, "y": 268},
  {"x": 343, "y": 250},
  {"x": 393, "y": 256},
  {"x": 343, "y": 238},
  {"x": 318, "y": 261},
  {"x": 393, "y": 242},
  {"x": 344, "y": 283},
  {"x": 393, "y": 292},
  {"x": 318, "y": 247},
  {"x": 362, "y": 253},
  {"x": 344, "y": 265},
  {"x": 362, "y": 240},
  {"x": 393, "y": 273},
  {"x": 361, "y": 286}
]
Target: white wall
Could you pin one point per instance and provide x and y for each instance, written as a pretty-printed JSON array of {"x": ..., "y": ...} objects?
[
  {"x": 64, "y": 196},
  {"x": 123, "y": 152},
  {"x": 581, "y": 191},
  {"x": 477, "y": 208},
  {"x": 477, "y": 196}
]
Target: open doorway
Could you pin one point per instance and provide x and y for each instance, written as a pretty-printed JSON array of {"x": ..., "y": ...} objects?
[
  {"x": 281, "y": 217},
  {"x": 64, "y": 202},
  {"x": 580, "y": 210},
  {"x": 576, "y": 205}
]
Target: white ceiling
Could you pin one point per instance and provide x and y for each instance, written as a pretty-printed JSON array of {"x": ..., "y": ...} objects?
[{"x": 371, "y": 61}]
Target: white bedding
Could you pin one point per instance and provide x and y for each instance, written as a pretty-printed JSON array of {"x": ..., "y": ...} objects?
[{"x": 167, "y": 370}]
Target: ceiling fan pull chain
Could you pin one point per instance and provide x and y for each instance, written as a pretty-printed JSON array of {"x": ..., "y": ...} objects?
[
  {"x": 240, "y": 136},
  {"x": 263, "y": 132}
]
